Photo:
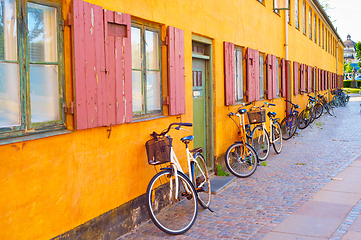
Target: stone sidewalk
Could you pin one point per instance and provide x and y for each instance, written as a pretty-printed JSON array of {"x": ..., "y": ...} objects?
[{"x": 311, "y": 190}]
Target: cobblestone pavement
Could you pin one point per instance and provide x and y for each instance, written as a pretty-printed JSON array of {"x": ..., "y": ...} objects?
[{"x": 250, "y": 208}]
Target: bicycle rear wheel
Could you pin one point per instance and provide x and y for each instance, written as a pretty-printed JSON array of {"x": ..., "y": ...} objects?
[
  {"x": 288, "y": 127},
  {"x": 277, "y": 137},
  {"x": 201, "y": 180},
  {"x": 171, "y": 215},
  {"x": 260, "y": 142},
  {"x": 304, "y": 118},
  {"x": 241, "y": 159},
  {"x": 329, "y": 109}
]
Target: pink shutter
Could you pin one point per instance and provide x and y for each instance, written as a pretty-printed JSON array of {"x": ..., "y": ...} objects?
[
  {"x": 302, "y": 78},
  {"x": 283, "y": 77},
  {"x": 309, "y": 79},
  {"x": 341, "y": 81},
  {"x": 269, "y": 82},
  {"x": 118, "y": 107},
  {"x": 252, "y": 83},
  {"x": 295, "y": 78},
  {"x": 88, "y": 56},
  {"x": 229, "y": 73},
  {"x": 314, "y": 77},
  {"x": 287, "y": 85},
  {"x": 176, "y": 71}
]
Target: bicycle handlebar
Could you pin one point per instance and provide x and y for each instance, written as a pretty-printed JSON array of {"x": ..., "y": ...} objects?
[
  {"x": 295, "y": 105},
  {"x": 164, "y": 132}
]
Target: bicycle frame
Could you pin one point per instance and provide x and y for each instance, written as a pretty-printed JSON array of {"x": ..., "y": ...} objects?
[{"x": 177, "y": 167}]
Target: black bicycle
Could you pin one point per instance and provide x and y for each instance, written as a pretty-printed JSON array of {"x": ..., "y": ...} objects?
[{"x": 290, "y": 123}]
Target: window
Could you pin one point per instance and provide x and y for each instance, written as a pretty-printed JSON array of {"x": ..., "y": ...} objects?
[
  {"x": 304, "y": 17},
  {"x": 277, "y": 77},
  {"x": 319, "y": 32},
  {"x": 146, "y": 74},
  {"x": 310, "y": 23},
  {"x": 288, "y": 16},
  {"x": 30, "y": 72},
  {"x": 315, "y": 26},
  {"x": 322, "y": 39},
  {"x": 239, "y": 73},
  {"x": 296, "y": 15},
  {"x": 261, "y": 76}
]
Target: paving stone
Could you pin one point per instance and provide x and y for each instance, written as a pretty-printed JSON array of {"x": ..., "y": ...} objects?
[{"x": 250, "y": 207}]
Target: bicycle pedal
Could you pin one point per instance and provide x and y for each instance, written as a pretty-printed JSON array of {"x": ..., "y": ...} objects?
[{"x": 200, "y": 190}]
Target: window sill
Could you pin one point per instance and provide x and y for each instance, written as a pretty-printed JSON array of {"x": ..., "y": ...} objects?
[
  {"x": 148, "y": 119},
  {"x": 33, "y": 137}
]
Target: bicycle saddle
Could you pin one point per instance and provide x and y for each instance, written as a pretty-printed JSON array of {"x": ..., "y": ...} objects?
[
  {"x": 187, "y": 139},
  {"x": 271, "y": 114},
  {"x": 242, "y": 111}
]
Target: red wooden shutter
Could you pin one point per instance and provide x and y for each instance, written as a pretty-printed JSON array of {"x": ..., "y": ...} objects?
[
  {"x": 341, "y": 81},
  {"x": 295, "y": 78},
  {"x": 287, "y": 85},
  {"x": 302, "y": 78},
  {"x": 283, "y": 77},
  {"x": 274, "y": 78},
  {"x": 269, "y": 82},
  {"x": 96, "y": 87},
  {"x": 176, "y": 71},
  {"x": 229, "y": 74},
  {"x": 118, "y": 66},
  {"x": 252, "y": 83},
  {"x": 309, "y": 79},
  {"x": 314, "y": 77}
]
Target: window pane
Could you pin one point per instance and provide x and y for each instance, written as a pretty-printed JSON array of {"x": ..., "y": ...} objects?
[
  {"x": 261, "y": 78},
  {"x": 152, "y": 50},
  {"x": 153, "y": 91},
  {"x": 296, "y": 13},
  {"x": 9, "y": 95},
  {"x": 137, "y": 91},
  {"x": 8, "y": 31},
  {"x": 277, "y": 78},
  {"x": 42, "y": 33},
  {"x": 136, "y": 49},
  {"x": 44, "y": 93},
  {"x": 239, "y": 75}
]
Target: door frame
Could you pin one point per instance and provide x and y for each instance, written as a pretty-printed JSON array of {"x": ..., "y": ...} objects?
[{"x": 209, "y": 127}]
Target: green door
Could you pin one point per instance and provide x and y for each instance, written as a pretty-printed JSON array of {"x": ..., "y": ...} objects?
[{"x": 199, "y": 103}]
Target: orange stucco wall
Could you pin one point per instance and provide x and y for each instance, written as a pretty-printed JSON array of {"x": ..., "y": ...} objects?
[{"x": 51, "y": 185}]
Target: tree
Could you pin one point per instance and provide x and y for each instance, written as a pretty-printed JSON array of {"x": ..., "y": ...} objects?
[
  {"x": 327, "y": 7},
  {"x": 358, "y": 53},
  {"x": 348, "y": 67}
]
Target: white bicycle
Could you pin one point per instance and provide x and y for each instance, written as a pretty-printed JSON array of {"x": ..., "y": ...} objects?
[{"x": 172, "y": 195}]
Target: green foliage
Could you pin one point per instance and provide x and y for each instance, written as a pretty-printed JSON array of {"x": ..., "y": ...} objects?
[
  {"x": 358, "y": 54},
  {"x": 349, "y": 68},
  {"x": 264, "y": 163},
  {"x": 220, "y": 172},
  {"x": 347, "y": 83}
]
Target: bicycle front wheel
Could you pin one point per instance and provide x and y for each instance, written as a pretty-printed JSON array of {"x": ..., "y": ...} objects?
[
  {"x": 277, "y": 137},
  {"x": 260, "y": 142},
  {"x": 288, "y": 127},
  {"x": 319, "y": 110},
  {"x": 241, "y": 159},
  {"x": 304, "y": 118},
  {"x": 201, "y": 180},
  {"x": 171, "y": 211}
]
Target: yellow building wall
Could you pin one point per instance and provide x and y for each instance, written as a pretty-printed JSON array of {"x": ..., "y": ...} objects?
[{"x": 52, "y": 185}]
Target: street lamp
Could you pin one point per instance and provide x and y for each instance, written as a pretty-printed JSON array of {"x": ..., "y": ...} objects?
[{"x": 281, "y": 4}]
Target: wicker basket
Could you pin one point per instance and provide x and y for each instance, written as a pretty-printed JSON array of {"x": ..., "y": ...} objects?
[
  {"x": 158, "y": 150},
  {"x": 257, "y": 116}
]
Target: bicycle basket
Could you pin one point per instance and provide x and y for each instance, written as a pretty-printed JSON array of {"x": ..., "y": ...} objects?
[
  {"x": 158, "y": 150},
  {"x": 257, "y": 116}
]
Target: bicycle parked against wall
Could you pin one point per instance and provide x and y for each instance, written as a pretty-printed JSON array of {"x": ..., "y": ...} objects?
[
  {"x": 261, "y": 138},
  {"x": 290, "y": 123},
  {"x": 241, "y": 158},
  {"x": 326, "y": 105},
  {"x": 306, "y": 116},
  {"x": 172, "y": 195}
]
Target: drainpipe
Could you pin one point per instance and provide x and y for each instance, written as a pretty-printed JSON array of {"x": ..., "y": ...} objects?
[{"x": 288, "y": 84}]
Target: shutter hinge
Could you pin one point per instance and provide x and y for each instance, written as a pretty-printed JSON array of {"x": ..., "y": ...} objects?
[
  {"x": 69, "y": 110},
  {"x": 166, "y": 100},
  {"x": 166, "y": 41},
  {"x": 66, "y": 22}
]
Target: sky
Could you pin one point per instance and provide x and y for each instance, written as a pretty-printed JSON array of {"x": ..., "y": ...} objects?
[{"x": 347, "y": 16}]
